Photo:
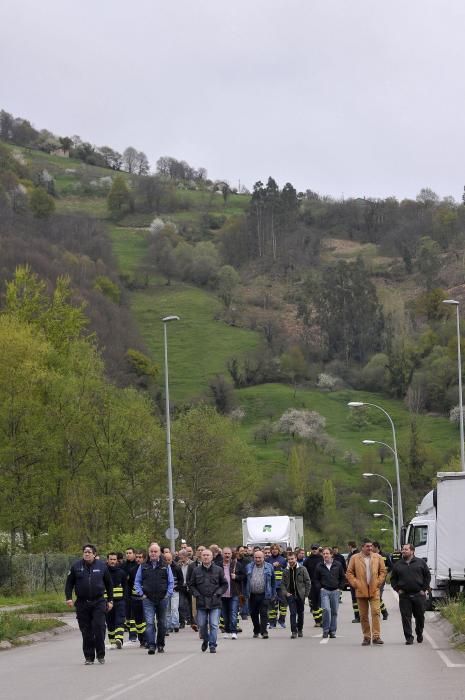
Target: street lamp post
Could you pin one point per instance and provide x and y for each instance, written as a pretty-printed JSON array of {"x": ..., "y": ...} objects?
[
  {"x": 172, "y": 538},
  {"x": 380, "y": 476},
  {"x": 455, "y": 303},
  {"x": 391, "y": 508},
  {"x": 400, "y": 515},
  {"x": 383, "y": 515}
]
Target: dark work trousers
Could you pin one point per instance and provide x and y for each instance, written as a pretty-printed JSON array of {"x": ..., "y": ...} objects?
[
  {"x": 115, "y": 621},
  {"x": 185, "y": 607},
  {"x": 130, "y": 619},
  {"x": 91, "y": 618},
  {"x": 355, "y": 604},
  {"x": 139, "y": 619},
  {"x": 412, "y": 604},
  {"x": 258, "y": 608},
  {"x": 296, "y": 613},
  {"x": 315, "y": 604}
]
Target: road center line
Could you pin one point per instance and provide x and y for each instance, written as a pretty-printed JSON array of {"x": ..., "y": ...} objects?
[
  {"x": 145, "y": 679},
  {"x": 136, "y": 677}
]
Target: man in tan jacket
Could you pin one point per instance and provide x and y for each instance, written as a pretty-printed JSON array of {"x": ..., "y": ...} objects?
[{"x": 366, "y": 573}]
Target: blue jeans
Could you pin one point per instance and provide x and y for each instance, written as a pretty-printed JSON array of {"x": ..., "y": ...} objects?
[
  {"x": 229, "y": 608},
  {"x": 172, "y": 613},
  {"x": 208, "y": 621},
  {"x": 330, "y": 605},
  {"x": 154, "y": 609}
]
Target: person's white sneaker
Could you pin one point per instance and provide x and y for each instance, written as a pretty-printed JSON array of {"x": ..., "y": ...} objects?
[{"x": 234, "y": 635}]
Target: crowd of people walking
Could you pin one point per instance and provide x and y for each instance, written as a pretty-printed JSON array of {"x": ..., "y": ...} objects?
[{"x": 152, "y": 594}]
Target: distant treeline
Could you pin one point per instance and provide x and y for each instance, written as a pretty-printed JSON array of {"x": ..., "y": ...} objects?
[{"x": 21, "y": 132}]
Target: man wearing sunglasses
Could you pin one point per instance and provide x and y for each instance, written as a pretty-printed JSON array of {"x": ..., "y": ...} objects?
[{"x": 90, "y": 579}]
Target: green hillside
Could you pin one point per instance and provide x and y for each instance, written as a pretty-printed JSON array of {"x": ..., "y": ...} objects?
[
  {"x": 277, "y": 314},
  {"x": 199, "y": 346}
]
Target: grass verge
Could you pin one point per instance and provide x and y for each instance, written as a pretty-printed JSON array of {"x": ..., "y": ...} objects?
[
  {"x": 13, "y": 626},
  {"x": 454, "y": 612},
  {"x": 49, "y": 602}
]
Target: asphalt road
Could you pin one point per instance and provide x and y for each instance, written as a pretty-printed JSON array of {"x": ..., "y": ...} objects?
[{"x": 249, "y": 668}]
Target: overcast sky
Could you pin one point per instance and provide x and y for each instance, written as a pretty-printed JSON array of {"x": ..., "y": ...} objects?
[{"x": 345, "y": 97}]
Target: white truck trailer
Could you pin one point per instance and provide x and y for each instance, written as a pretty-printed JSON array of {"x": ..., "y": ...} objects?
[
  {"x": 437, "y": 532},
  {"x": 285, "y": 530}
]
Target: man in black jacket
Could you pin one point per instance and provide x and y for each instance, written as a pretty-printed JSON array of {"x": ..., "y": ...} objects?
[
  {"x": 115, "y": 616},
  {"x": 207, "y": 584},
  {"x": 330, "y": 578},
  {"x": 90, "y": 579},
  {"x": 411, "y": 577},
  {"x": 197, "y": 561},
  {"x": 295, "y": 586},
  {"x": 234, "y": 573},
  {"x": 130, "y": 566}
]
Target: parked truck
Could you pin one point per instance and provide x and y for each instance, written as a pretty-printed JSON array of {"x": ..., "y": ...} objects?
[
  {"x": 437, "y": 532},
  {"x": 285, "y": 530}
]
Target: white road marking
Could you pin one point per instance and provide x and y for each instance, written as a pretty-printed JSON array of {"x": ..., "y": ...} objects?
[
  {"x": 136, "y": 677},
  {"x": 94, "y": 697},
  {"x": 447, "y": 661},
  {"x": 430, "y": 640},
  {"x": 145, "y": 679},
  {"x": 115, "y": 687},
  {"x": 325, "y": 640}
]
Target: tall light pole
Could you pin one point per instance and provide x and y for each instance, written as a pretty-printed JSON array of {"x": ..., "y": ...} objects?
[
  {"x": 383, "y": 515},
  {"x": 400, "y": 514},
  {"x": 394, "y": 538},
  {"x": 455, "y": 303},
  {"x": 172, "y": 537},
  {"x": 368, "y": 474}
]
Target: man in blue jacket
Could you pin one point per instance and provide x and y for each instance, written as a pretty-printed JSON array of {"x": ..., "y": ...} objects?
[
  {"x": 155, "y": 583},
  {"x": 260, "y": 589}
]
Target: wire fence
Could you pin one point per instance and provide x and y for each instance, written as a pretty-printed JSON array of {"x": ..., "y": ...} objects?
[{"x": 33, "y": 573}]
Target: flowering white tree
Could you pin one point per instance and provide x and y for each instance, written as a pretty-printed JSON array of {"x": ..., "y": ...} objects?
[
  {"x": 304, "y": 424},
  {"x": 327, "y": 381},
  {"x": 157, "y": 226},
  {"x": 454, "y": 415}
]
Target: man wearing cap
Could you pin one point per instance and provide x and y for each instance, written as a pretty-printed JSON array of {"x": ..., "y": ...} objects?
[{"x": 310, "y": 563}]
